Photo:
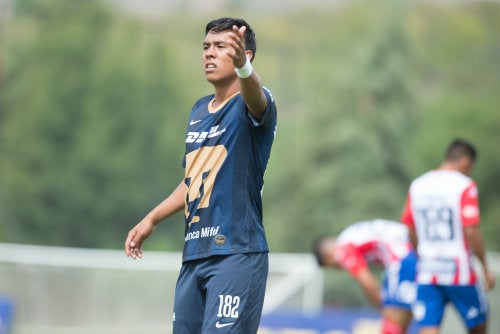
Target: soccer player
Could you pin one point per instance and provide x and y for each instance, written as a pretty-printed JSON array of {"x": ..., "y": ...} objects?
[
  {"x": 442, "y": 213},
  {"x": 221, "y": 284},
  {"x": 373, "y": 242}
]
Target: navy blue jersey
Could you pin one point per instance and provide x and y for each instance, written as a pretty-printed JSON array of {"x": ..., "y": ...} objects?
[{"x": 226, "y": 156}]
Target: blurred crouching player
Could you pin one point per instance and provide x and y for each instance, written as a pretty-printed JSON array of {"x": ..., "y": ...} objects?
[{"x": 376, "y": 242}]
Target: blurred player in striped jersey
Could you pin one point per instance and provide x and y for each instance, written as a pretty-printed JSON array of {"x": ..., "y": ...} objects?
[{"x": 442, "y": 213}]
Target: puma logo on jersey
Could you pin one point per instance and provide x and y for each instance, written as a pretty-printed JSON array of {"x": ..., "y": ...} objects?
[{"x": 198, "y": 137}]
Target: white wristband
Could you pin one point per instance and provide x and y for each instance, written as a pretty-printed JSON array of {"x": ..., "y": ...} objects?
[{"x": 245, "y": 71}]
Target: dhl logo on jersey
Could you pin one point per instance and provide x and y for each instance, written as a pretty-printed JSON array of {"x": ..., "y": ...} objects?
[{"x": 198, "y": 137}]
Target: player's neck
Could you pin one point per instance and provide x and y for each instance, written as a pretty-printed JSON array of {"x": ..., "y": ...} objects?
[
  {"x": 454, "y": 166},
  {"x": 224, "y": 91}
]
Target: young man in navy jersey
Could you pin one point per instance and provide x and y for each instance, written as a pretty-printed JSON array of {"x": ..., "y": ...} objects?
[{"x": 222, "y": 281}]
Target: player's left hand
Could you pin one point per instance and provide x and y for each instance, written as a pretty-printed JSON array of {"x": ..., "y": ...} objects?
[{"x": 489, "y": 280}]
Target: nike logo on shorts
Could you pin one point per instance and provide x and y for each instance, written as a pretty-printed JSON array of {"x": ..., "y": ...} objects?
[{"x": 219, "y": 325}]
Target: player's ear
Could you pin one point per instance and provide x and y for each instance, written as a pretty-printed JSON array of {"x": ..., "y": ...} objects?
[{"x": 249, "y": 54}]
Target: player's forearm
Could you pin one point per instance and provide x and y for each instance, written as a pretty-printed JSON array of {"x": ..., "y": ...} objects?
[
  {"x": 475, "y": 241},
  {"x": 252, "y": 94},
  {"x": 169, "y": 206},
  {"x": 370, "y": 286},
  {"x": 373, "y": 295}
]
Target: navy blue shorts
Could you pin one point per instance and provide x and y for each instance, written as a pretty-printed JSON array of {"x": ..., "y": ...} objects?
[{"x": 221, "y": 294}]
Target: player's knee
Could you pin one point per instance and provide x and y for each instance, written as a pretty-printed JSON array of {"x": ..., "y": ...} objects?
[{"x": 391, "y": 327}]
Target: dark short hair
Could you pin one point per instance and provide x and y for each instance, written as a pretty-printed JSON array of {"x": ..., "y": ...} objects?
[
  {"x": 460, "y": 148},
  {"x": 317, "y": 245},
  {"x": 227, "y": 23}
]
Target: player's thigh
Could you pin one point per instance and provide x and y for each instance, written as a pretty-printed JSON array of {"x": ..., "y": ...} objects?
[
  {"x": 189, "y": 302},
  {"x": 235, "y": 294},
  {"x": 429, "y": 308},
  {"x": 470, "y": 302}
]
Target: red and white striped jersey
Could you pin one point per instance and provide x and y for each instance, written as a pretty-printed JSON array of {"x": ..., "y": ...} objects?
[
  {"x": 439, "y": 205},
  {"x": 376, "y": 241}
]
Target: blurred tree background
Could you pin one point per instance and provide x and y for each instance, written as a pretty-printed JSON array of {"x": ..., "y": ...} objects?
[{"x": 94, "y": 102}]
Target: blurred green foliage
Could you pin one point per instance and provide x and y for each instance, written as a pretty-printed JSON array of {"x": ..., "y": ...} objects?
[{"x": 93, "y": 107}]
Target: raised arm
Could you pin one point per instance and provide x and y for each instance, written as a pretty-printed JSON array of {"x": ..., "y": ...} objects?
[{"x": 250, "y": 83}]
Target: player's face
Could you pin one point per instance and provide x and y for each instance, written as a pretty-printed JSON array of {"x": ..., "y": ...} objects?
[
  {"x": 217, "y": 63},
  {"x": 329, "y": 259}
]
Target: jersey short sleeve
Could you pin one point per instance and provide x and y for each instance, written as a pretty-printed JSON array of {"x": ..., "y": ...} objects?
[
  {"x": 470, "y": 206},
  {"x": 350, "y": 258}
]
